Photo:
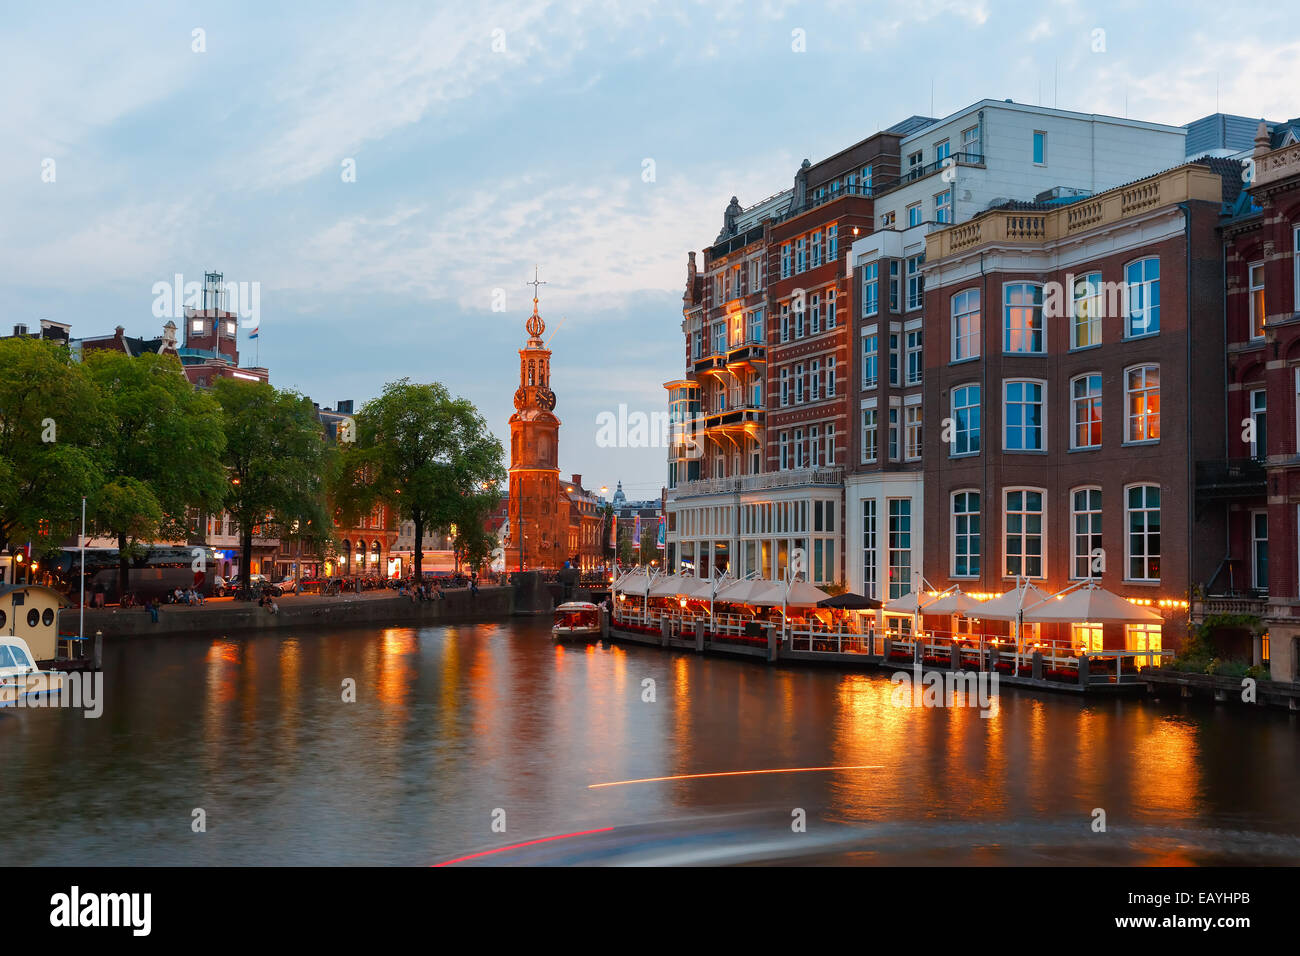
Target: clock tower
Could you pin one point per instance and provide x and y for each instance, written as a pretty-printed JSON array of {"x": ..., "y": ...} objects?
[{"x": 535, "y": 495}]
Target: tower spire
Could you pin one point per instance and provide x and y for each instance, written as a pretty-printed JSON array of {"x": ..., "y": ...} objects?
[{"x": 535, "y": 325}]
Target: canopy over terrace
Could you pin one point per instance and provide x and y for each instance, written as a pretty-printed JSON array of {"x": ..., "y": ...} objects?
[
  {"x": 955, "y": 602},
  {"x": 911, "y": 602},
  {"x": 632, "y": 580},
  {"x": 799, "y": 594},
  {"x": 1091, "y": 605},
  {"x": 1007, "y": 607},
  {"x": 671, "y": 585}
]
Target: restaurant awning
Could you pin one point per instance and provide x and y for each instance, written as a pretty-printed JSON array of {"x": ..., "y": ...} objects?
[
  {"x": 957, "y": 602},
  {"x": 910, "y": 602},
  {"x": 670, "y": 585},
  {"x": 1007, "y": 607},
  {"x": 1091, "y": 605},
  {"x": 743, "y": 592},
  {"x": 631, "y": 580}
]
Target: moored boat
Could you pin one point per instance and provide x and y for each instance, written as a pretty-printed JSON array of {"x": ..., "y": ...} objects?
[
  {"x": 20, "y": 680},
  {"x": 576, "y": 620}
]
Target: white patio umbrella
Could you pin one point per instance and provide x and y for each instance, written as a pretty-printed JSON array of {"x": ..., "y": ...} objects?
[
  {"x": 744, "y": 591},
  {"x": 956, "y": 602},
  {"x": 911, "y": 602},
  {"x": 670, "y": 585},
  {"x": 1091, "y": 605},
  {"x": 1008, "y": 607}
]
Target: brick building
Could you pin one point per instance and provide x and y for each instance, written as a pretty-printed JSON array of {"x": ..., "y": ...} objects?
[
  {"x": 1252, "y": 480},
  {"x": 1071, "y": 380}
]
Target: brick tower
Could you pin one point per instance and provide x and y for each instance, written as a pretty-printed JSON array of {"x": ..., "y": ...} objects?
[{"x": 534, "y": 449}]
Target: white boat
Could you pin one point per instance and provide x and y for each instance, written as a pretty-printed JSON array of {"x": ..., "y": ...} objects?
[
  {"x": 576, "y": 620},
  {"x": 20, "y": 679}
]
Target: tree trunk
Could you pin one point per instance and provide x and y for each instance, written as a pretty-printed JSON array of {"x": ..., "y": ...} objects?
[
  {"x": 123, "y": 567},
  {"x": 419, "y": 549},
  {"x": 246, "y": 552}
]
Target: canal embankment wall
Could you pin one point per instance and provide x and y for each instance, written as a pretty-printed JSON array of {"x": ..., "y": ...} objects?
[{"x": 459, "y": 605}]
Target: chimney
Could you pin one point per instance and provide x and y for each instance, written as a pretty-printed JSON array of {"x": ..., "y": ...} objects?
[
  {"x": 20, "y": 330},
  {"x": 577, "y": 481}
]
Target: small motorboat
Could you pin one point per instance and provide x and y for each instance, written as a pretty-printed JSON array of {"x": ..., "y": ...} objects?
[
  {"x": 578, "y": 620},
  {"x": 20, "y": 680}
]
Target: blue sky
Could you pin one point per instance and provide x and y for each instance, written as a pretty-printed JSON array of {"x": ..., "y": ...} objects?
[{"x": 473, "y": 164}]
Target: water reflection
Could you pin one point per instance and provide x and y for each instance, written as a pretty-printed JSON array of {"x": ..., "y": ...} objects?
[{"x": 453, "y": 724}]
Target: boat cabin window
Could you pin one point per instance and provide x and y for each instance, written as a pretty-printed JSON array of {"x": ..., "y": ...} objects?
[
  {"x": 11, "y": 656},
  {"x": 33, "y": 617}
]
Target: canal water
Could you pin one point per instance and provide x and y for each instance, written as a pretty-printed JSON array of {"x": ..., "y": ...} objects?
[{"x": 469, "y": 739}]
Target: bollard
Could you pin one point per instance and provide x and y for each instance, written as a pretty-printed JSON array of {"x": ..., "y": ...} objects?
[
  {"x": 99, "y": 650},
  {"x": 1036, "y": 665},
  {"x": 1083, "y": 670}
]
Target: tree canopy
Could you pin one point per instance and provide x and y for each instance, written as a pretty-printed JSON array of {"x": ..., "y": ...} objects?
[
  {"x": 275, "y": 457},
  {"x": 429, "y": 457},
  {"x": 160, "y": 443},
  {"x": 50, "y": 415}
]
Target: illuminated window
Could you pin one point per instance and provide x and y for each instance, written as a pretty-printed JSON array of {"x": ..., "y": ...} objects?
[
  {"x": 1086, "y": 310},
  {"x": 1085, "y": 411},
  {"x": 1022, "y": 326},
  {"x": 1142, "y": 637},
  {"x": 1142, "y": 390},
  {"x": 1086, "y": 637}
]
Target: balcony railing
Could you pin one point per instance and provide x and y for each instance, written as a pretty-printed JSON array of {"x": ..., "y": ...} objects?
[
  {"x": 1229, "y": 478},
  {"x": 827, "y": 477},
  {"x": 920, "y": 172}
]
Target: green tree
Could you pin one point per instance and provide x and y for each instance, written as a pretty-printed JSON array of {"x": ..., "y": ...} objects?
[
  {"x": 50, "y": 412},
  {"x": 429, "y": 457},
  {"x": 275, "y": 461},
  {"x": 161, "y": 450}
]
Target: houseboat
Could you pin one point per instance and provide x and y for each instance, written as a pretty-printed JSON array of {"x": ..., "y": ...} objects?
[{"x": 576, "y": 620}]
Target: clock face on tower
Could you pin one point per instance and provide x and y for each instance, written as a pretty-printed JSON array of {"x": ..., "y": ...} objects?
[{"x": 546, "y": 398}]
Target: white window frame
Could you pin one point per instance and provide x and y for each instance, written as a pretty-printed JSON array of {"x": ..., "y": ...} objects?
[
  {"x": 1128, "y": 534},
  {"x": 868, "y": 413},
  {"x": 953, "y": 534},
  {"x": 1024, "y": 534},
  {"x": 943, "y": 206},
  {"x": 1146, "y": 285},
  {"x": 1075, "y": 514},
  {"x": 870, "y": 548},
  {"x": 1256, "y": 413},
  {"x": 1145, "y": 416},
  {"x": 1252, "y": 288},
  {"x": 1033, "y": 149},
  {"x": 913, "y": 357},
  {"x": 912, "y": 424},
  {"x": 1042, "y": 427},
  {"x": 870, "y": 334},
  {"x": 1074, "y": 410},
  {"x": 1254, "y": 552},
  {"x": 1028, "y": 334},
  {"x": 972, "y": 433},
  {"x": 915, "y": 295},
  {"x": 963, "y": 328},
  {"x": 1086, "y": 310},
  {"x": 870, "y": 281}
]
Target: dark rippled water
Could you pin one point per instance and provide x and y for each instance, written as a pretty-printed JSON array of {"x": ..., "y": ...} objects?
[{"x": 455, "y": 727}]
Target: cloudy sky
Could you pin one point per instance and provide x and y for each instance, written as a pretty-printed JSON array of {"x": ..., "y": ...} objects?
[{"x": 488, "y": 137}]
